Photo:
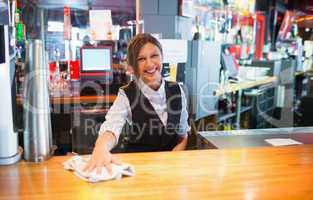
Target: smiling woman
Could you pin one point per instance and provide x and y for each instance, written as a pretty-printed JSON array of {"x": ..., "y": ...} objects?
[
  {"x": 145, "y": 56},
  {"x": 155, "y": 109}
]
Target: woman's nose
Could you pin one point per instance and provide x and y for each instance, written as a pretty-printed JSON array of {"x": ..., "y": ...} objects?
[{"x": 149, "y": 61}]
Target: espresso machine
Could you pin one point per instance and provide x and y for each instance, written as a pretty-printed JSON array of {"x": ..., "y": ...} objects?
[
  {"x": 37, "y": 138},
  {"x": 9, "y": 149}
]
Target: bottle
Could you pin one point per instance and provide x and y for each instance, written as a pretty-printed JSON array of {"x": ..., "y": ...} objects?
[
  {"x": 19, "y": 34},
  {"x": 19, "y": 26}
]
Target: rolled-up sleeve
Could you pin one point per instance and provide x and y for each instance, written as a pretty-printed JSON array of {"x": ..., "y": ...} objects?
[
  {"x": 184, "y": 127},
  {"x": 116, "y": 116}
]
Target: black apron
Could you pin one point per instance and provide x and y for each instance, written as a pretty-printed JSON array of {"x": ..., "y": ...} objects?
[{"x": 147, "y": 132}]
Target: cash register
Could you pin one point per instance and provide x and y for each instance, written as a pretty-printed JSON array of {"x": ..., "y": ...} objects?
[{"x": 95, "y": 70}]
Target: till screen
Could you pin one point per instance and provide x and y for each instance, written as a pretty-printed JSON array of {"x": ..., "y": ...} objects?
[{"x": 96, "y": 59}]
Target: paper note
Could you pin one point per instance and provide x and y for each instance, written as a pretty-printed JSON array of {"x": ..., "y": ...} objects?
[
  {"x": 282, "y": 141},
  {"x": 100, "y": 24},
  {"x": 174, "y": 51},
  {"x": 173, "y": 72}
]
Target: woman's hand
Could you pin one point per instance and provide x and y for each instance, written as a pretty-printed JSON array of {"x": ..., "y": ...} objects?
[
  {"x": 182, "y": 143},
  {"x": 101, "y": 155}
]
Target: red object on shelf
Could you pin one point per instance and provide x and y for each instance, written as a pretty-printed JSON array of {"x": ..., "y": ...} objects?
[
  {"x": 285, "y": 26},
  {"x": 246, "y": 21},
  {"x": 52, "y": 68},
  {"x": 235, "y": 51},
  {"x": 74, "y": 70},
  {"x": 259, "y": 36},
  {"x": 67, "y": 23}
]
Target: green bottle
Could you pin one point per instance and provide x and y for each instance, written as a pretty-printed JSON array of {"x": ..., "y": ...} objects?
[{"x": 19, "y": 26}]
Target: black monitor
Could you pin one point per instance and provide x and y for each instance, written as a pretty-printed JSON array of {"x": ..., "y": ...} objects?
[{"x": 96, "y": 63}]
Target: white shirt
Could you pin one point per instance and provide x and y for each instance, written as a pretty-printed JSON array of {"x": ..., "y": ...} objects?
[{"x": 120, "y": 111}]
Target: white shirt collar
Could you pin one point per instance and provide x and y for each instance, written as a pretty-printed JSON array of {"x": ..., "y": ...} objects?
[{"x": 147, "y": 91}]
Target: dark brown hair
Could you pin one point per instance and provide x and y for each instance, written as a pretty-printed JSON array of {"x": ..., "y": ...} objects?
[{"x": 135, "y": 46}]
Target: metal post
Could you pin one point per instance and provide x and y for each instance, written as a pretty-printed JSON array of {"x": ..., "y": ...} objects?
[
  {"x": 238, "y": 109},
  {"x": 37, "y": 122}
]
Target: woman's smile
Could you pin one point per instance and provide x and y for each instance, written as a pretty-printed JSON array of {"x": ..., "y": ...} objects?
[{"x": 150, "y": 71}]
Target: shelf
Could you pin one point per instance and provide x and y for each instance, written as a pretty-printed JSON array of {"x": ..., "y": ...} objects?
[
  {"x": 266, "y": 100},
  {"x": 229, "y": 115},
  {"x": 245, "y": 108},
  {"x": 268, "y": 109}
]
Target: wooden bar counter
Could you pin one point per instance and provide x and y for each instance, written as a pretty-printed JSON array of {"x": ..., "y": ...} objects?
[
  {"x": 77, "y": 99},
  {"x": 257, "y": 173}
]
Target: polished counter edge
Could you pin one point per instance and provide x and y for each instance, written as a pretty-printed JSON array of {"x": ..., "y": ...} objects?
[{"x": 287, "y": 130}]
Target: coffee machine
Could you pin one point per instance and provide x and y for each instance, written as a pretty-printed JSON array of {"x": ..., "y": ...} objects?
[{"x": 9, "y": 149}]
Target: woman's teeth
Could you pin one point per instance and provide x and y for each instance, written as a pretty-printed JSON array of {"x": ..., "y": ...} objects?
[{"x": 151, "y": 71}]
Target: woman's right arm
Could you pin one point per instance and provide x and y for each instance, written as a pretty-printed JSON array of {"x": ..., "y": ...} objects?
[{"x": 109, "y": 134}]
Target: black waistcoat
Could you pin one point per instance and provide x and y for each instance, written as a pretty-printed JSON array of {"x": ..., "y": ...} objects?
[{"x": 147, "y": 132}]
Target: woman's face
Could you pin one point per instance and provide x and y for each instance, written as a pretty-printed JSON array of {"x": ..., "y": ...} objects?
[{"x": 149, "y": 62}]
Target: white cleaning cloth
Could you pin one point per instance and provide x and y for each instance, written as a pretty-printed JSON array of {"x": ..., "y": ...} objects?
[{"x": 77, "y": 164}]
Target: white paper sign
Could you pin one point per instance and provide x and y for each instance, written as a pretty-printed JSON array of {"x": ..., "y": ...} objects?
[
  {"x": 174, "y": 51},
  {"x": 100, "y": 24},
  {"x": 282, "y": 141}
]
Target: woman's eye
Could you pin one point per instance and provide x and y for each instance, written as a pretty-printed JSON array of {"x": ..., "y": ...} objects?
[
  {"x": 155, "y": 55},
  {"x": 140, "y": 59}
]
